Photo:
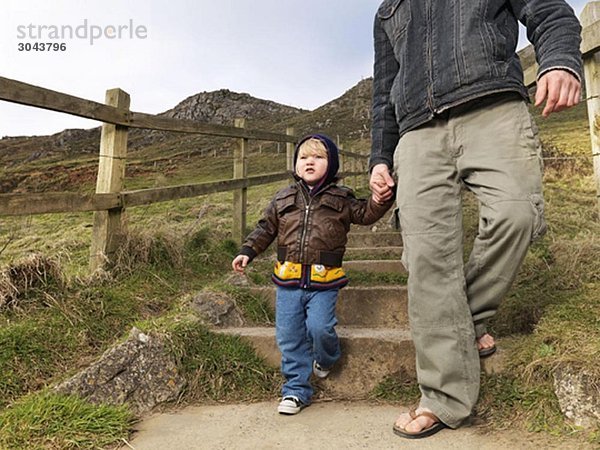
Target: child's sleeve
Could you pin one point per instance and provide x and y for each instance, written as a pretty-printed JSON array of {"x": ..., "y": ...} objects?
[
  {"x": 367, "y": 211},
  {"x": 264, "y": 233}
]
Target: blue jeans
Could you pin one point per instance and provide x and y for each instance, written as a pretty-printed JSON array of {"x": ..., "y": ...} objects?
[{"x": 305, "y": 329}]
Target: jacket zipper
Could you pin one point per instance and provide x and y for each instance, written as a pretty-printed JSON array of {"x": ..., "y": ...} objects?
[{"x": 307, "y": 202}]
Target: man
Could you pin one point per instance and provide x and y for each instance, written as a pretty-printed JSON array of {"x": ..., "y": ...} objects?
[{"x": 449, "y": 112}]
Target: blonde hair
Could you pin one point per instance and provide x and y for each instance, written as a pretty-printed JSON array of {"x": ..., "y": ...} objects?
[{"x": 313, "y": 147}]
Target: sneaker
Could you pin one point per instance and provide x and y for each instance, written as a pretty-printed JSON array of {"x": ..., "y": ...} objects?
[
  {"x": 290, "y": 405},
  {"x": 319, "y": 371}
]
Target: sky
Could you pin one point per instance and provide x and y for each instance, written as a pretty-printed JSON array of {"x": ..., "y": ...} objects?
[{"x": 302, "y": 53}]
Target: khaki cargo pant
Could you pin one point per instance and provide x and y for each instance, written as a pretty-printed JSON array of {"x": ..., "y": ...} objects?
[{"x": 490, "y": 147}]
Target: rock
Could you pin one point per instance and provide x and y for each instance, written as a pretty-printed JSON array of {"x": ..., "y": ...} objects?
[
  {"x": 217, "y": 309},
  {"x": 140, "y": 372},
  {"x": 578, "y": 393},
  {"x": 237, "y": 279}
]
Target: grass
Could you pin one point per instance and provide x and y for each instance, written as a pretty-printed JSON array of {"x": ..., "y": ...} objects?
[
  {"x": 52, "y": 421},
  {"x": 254, "y": 308},
  {"x": 399, "y": 387},
  {"x": 53, "y": 328},
  {"x": 219, "y": 367},
  {"x": 358, "y": 278}
]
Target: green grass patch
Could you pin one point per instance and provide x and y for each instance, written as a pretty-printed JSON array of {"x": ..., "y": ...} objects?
[
  {"x": 399, "y": 387},
  {"x": 31, "y": 352},
  {"x": 254, "y": 307},
  {"x": 509, "y": 401},
  {"x": 219, "y": 367},
  {"x": 51, "y": 421},
  {"x": 358, "y": 278}
]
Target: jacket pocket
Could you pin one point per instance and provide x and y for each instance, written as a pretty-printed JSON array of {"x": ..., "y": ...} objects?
[
  {"x": 396, "y": 14},
  {"x": 335, "y": 203},
  {"x": 285, "y": 203}
]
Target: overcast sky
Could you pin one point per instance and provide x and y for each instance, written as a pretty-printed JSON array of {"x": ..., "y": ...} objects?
[{"x": 302, "y": 53}]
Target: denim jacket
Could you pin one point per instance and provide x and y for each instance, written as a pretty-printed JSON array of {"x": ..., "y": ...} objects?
[{"x": 431, "y": 55}]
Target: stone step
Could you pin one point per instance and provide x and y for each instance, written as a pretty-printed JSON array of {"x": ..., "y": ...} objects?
[
  {"x": 376, "y": 266},
  {"x": 373, "y": 253},
  {"x": 363, "y": 306},
  {"x": 368, "y": 357},
  {"x": 385, "y": 224},
  {"x": 370, "y": 239}
]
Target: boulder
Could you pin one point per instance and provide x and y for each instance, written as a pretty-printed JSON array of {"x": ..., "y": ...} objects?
[
  {"x": 578, "y": 392},
  {"x": 140, "y": 372}
]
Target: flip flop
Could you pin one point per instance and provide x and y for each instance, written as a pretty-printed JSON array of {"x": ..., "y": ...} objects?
[
  {"x": 425, "y": 432},
  {"x": 485, "y": 352}
]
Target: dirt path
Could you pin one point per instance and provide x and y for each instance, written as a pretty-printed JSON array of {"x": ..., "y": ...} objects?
[{"x": 324, "y": 425}]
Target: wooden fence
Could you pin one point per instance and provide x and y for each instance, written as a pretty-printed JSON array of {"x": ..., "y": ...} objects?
[
  {"x": 590, "y": 46},
  {"x": 110, "y": 201}
]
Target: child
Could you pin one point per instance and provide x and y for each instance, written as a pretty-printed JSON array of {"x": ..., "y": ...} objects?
[{"x": 311, "y": 219}]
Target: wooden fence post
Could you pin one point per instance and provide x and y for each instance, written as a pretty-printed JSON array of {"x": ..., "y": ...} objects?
[
  {"x": 240, "y": 196},
  {"x": 111, "y": 172},
  {"x": 289, "y": 150},
  {"x": 591, "y": 65},
  {"x": 365, "y": 169},
  {"x": 342, "y": 160},
  {"x": 354, "y": 168}
]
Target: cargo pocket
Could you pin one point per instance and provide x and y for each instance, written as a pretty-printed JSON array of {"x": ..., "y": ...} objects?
[
  {"x": 395, "y": 219},
  {"x": 404, "y": 257},
  {"x": 395, "y": 222},
  {"x": 539, "y": 223},
  {"x": 531, "y": 135}
]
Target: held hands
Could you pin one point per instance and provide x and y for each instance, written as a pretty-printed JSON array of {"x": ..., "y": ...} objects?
[
  {"x": 239, "y": 263},
  {"x": 381, "y": 183},
  {"x": 561, "y": 89}
]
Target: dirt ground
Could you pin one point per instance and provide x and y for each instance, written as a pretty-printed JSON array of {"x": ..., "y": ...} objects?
[{"x": 323, "y": 425}]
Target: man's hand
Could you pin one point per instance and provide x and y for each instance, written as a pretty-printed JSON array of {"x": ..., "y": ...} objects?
[
  {"x": 381, "y": 183},
  {"x": 239, "y": 263},
  {"x": 561, "y": 89}
]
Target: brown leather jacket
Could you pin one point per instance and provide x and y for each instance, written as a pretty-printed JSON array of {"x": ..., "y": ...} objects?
[{"x": 311, "y": 229}]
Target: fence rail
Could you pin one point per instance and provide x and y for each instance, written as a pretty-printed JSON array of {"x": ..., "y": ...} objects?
[{"x": 110, "y": 200}]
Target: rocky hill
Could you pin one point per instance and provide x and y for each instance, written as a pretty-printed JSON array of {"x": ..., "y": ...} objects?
[{"x": 223, "y": 106}]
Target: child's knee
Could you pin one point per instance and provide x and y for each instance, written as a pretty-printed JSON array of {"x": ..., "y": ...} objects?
[{"x": 319, "y": 329}]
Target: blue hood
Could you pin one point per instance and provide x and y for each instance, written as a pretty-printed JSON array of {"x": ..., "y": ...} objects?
[{"x": 333, "y": 162}]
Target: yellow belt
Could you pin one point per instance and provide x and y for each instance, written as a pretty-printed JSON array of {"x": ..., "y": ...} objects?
[{"x": 287, "y": 271}]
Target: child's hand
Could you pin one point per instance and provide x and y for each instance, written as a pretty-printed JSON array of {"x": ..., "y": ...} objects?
[
  {"x": 239, "y": 263},
  {"x": 377, "y": 202}
]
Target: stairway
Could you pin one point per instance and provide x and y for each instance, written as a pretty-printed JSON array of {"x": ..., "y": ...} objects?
[{"x": 373, "y": 321}]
